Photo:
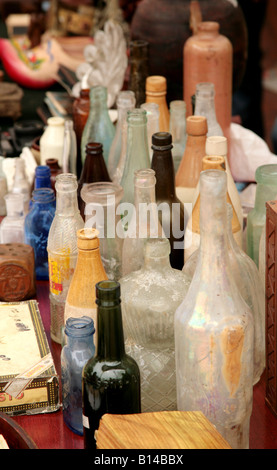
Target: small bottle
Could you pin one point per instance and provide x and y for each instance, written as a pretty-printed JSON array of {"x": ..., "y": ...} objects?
[
  {"x": 69, "y": 159},
  {"x": 21, "y": 184},
  {"x": 153, "y": 116},
  {"x": 177, "y": 128},
  {"x": 174, "y": 217},
  {"x": 80, "y": 112},
  {"x": 139, "y": 65},
  {"x": 111, "y": 379},
  {"x": 99, "y": 127},
  {"x": 89, "y": 270},
  {"x": 52, "y": 140},
  {"x": 125, "y": 101},
  {"x": 12, "y": 225},
  {"x": 94, "y": 170},
  {"x": 62, "y": 249},
  {"x": 79, "y": 348},
  {"x": 214, "y": 328},
  {"x": 36, "y": 227},
  {"x": 205, "y": 106},
  {"x": 156, "y": 87},
  {"x": 3, "y": 188},
  {"x": 149, "y": 298}
]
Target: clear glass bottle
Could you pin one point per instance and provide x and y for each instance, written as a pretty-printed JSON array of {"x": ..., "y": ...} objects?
[
  {"x": 214, "y": 328},
  {"x": 153, "y": 115},
  {"x": 80, "y": 112},
  {"x": 101, "y": 212},
  {"x": 111, "y": 379},
  {"x": 99, "y": 127},
  {"x": 266, "y": 190},
  {"x": 139, "y": 65},
  {"x": 21, "y": 183},
  {"x": 143, "y": 223},
  {"x": 62, "y": 249},
  {"x": 52, "y": 140},
  {"x": 205, "y": 106},
  {"x": 125, "y": 101},
  {"x": 36, "y": 227},
  {"x": 3, "y": 188},
  {"x": 156, "y": 89},
  {"x": 79, "y": 348},
  {"x": 249, "y": 283},
  {"x": 12, "y": 225},
  {"x": 69, "y": 159},
  {"x": 177, "y": 128},
  {"x": 137, "y": 153},
  {"x": 149, "y": 298}
]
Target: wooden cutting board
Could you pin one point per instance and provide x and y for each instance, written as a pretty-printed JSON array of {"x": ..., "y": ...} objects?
[{"x": 159, "y": 430}]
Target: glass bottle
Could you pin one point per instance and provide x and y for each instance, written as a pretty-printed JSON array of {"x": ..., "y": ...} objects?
[
  {"x": 111, "y": 379},
  {"x": 89, "y": 270},
  {"x": 52, "y": 140},
  {"x": 80, "y": 112},
  {"x": 3, "y": 188},
  {"x": 94, "y": 170},
  {"x": 79, "y": 348},
  {"x": 125, "y": 101},
  {"x": 137, "y": 153},
  {"x": 149, "y": 298},
  {"x": 62, "y": 249},
  {"x": 55, "y": 170},
  {"x": 138, "y": 69},
  {"x": 143, "y": 222},
  {"x": 205, "y": 106},
  {"x": 266, "y": 190},
  {"x": 153, "y": 115},
  {"x": 21, "y": 183},
  {"x": 188, "y": 173},
  {"x": 99, "y": 127},
  {"x": 177, "y": 128},
  {"x": 12, "y": 225},
  {"x": 42, "y": 177},
  {"x": 214, "y": 328},
  {"x": 101, "y": 212},
  {"x": 155, "y": 89},
  {"x": 173, "y": 215},
  {"x": 69, "y": 158},
  {"x": 36, "y": 227},
  {"x": 250, "y": 285}
]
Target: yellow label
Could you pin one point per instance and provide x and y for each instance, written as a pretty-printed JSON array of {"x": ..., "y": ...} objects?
[{"x": 59, "y": 271}]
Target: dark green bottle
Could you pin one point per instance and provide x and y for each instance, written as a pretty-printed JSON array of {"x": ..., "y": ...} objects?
[{"x": 111, "y": 379}]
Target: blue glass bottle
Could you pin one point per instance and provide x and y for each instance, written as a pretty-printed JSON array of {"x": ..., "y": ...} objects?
[
  {"x": 75, "y": 354},
  {"x": 36, "y": 228},
  {"x": 42, "y": 179}
]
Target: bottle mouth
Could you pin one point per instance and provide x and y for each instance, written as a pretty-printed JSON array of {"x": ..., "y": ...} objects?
[
  {"x": 144, "y": 178},
  {"x": 267, "y": 174},
  {"x": 107, "y": 291},
  {"x": 44, "y": 195},
  {"x": 80, "y": 327}
]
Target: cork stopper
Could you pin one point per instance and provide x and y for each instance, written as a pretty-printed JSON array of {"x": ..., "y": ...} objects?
[
  {"x": 213, "y": 162},
  {"x": 216, "y": 145},
  {"x": 197, "y": 125},
  {"x": 87, "y": 239},
  {"x": 156, "y": 84}
]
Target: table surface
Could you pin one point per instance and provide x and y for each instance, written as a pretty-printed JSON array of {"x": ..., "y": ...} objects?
[{"x": 48, "y": 431}]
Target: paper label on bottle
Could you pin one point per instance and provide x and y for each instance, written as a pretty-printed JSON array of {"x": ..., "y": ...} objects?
[
  {"x": 85, "y": 422},
  {"x": 59, "y": 271}
]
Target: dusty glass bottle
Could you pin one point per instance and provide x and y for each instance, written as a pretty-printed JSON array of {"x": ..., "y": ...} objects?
[
  {"x": 94, "y": 170},
  {"x": 137, "y": 153},
  {"x": 36, "y": 228},
  {"x": 111, "y": 379},
  {"x": 149, "y": 298},
  {"x": 143, "y": 222},
  {"x": 214, "y": 328},
  {"x": 3, "y": 188},
  {"x": 205, "y": 106},
  {"x": 12, "y": 225},
  {"x": 155, "y": 89},
  {"x": 101, "y": 212},
  {"x": 153, "y": 114},
  {"x": 99, "y": 127},
  {"x": 21, "y": 183},
  {"x": 177, "y": 128},
  {"x": 62, "y": 249},
  {"x": 69, "y": 157},
  {"x": 138, "y": 69},
  {"x": 80, "y": 112},
  {"x": 79, "y": 348},
  {"x": 125, "y": 101},
  {"x": 249, "y": 283},
  {"x": 172, "y": 214}
]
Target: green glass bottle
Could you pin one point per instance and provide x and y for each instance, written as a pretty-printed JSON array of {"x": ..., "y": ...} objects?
[{"x": 111, "y": 379}]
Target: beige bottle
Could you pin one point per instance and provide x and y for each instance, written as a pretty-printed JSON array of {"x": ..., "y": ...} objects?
[
  {"x": 192, "y": 234},
  {"x": 188, "y": 173},
  {"x": 155, "y": 90}
]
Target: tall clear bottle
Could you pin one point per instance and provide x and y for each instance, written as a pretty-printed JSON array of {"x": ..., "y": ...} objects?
[
  {"x": 178, "y": 130},
  {"x": 214, "y": 328},
  {"x": 69, "y": 158},
  {"x": 205, "y": 106},
  {"x": 153, "y": 116},
  {"x": 62, "y": 249},
  {"x": 111, "y": 379},
  {"x": 156, "y": 89},
  {"x": 21, "y": 183},
  {"x": 98, "y": 127},
  {"x": 80, "y": 112},
  {"x": 125, "y": 101},
  {"x": 149, "y": 298}
]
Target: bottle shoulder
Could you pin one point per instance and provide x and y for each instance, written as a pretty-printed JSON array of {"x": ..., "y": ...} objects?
[{"x": 100, "y": 370}]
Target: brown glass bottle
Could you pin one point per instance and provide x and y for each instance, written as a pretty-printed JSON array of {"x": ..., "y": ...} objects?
[
  {"x": 138, "y": 69},
  {"x": 173, "y": 217},
  {"x": 80, "y": 112},
  {"x": 94, "y": 170},
  {"x": 55, "y": 170}
]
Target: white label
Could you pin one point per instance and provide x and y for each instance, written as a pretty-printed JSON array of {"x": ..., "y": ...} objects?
[{"x": 85, "y": 422}]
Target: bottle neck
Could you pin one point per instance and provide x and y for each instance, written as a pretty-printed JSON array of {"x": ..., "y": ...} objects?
[
  {"x": 110, "y": 331},
  {"x": 162, "y": 164},
  {"x": 264, "y": 193},
  {"x": 66, "y": 203}
]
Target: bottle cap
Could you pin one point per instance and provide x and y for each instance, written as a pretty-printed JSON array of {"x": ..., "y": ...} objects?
[
  {"x": 216, "y": 145},
  {"x": 156, "y": 84},
  {"x": 108, "y": 290},
  {"x": 197, "y": 125},
  {"x": 87, "y": 239}
]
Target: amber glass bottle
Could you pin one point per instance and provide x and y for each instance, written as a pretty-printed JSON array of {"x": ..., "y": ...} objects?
[{"x": 80, "y": 112}]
